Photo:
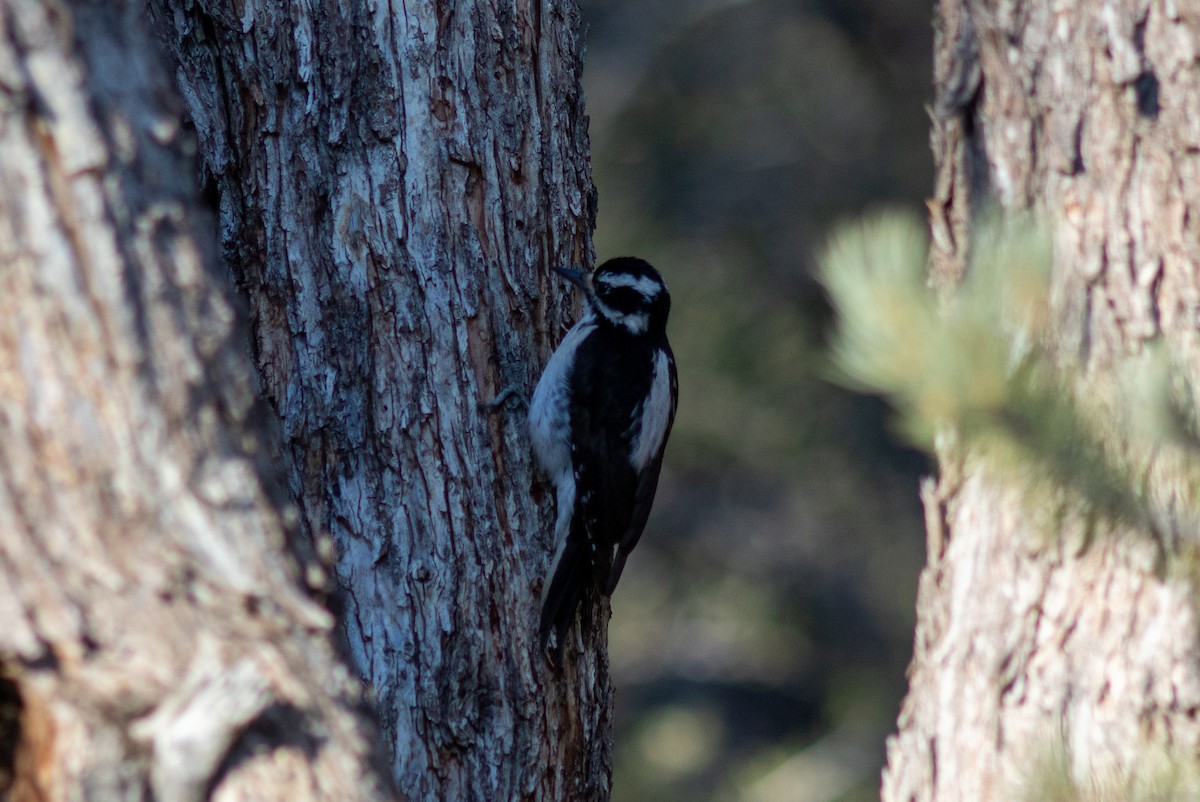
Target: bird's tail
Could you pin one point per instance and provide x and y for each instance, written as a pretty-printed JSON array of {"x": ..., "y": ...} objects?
[{"x": 569, "y": 581}]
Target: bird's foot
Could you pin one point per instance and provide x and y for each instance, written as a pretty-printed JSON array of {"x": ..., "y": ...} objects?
[{"x": 510, "y": 394}]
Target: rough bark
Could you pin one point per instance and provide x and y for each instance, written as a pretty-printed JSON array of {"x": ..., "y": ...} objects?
[
  {"x": 394, "y": 180},
  {"x": 1028, "y": 645},
  {"x": 157, "y": 638}
]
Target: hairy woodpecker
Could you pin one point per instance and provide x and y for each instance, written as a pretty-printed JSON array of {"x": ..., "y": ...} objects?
[{"x": 599, "y": 421}]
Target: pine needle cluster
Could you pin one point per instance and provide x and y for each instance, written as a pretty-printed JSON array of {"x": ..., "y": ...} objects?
[
  {"x": 978, "y": 371},
  {"x": 1155, "y": 776}
]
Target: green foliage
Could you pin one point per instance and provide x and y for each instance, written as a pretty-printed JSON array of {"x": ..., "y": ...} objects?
[
  {"x": 976, "y": 371},
  {"x": 964, "y": 365}
]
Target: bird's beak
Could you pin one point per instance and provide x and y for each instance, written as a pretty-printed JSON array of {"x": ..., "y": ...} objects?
[{"x": 576, "y": 277}]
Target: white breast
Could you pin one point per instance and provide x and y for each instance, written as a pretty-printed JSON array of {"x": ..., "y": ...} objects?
[
  {"x": 655, "y": 415},
  {"x": 549, "y": 409},
  {"x": 550, "y": 424}
]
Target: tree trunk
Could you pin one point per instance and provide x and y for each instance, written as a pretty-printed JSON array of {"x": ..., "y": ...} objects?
[
  {"x": 157, "y": 641},
  {"x": 1031, "y": 652},
  {"x": 393, "y": 182}
]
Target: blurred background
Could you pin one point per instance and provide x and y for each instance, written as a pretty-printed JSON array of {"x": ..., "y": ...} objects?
[{"x": 762, "y": 630}]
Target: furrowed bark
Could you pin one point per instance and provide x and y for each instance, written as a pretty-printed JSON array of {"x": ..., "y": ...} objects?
[
  {"x": 1028, "y": 646},
  {"x": 157, "y": 638},
  {"x": 393, "y": 182}
]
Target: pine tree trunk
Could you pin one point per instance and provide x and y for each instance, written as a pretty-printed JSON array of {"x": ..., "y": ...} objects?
[
  {"x": 1031, "y": 651},
  {"x": 156, "y": 639},
  {"x": 393, "y": 182}
]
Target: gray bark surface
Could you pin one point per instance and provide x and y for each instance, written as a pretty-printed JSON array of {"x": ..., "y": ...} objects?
[
  {"x": 393, "y": 182},
  {"x": 156, "y": 636},
  {"x": 1029, "y": 646}
]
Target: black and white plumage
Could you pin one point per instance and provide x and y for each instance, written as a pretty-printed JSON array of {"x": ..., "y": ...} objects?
[{"x": 599, "y": 421}]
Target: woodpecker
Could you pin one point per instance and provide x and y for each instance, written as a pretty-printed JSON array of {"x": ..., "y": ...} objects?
[{"x": 599, "y": 420}]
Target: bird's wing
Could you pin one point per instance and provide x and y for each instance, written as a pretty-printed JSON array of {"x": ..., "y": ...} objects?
[
  {"x": 647, "y": 486},
  {"x": 605, "y": 484},
  {"x": 608, "y": 488}
]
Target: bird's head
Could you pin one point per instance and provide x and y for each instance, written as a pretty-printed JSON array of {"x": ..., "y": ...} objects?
[{"x": 626, "y": 292}]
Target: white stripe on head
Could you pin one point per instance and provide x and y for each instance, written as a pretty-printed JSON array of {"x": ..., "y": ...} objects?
[{"x": 643, "y": 284}]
